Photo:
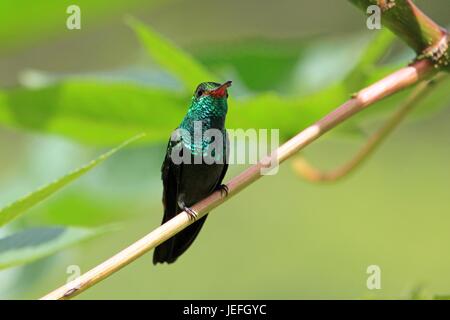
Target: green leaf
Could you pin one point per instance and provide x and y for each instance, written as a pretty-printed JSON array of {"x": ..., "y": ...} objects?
[
  {"x": 32, "y": 244},
  {"x": 174, "y": 60},
  {"x": 20, "y": 206},
  {"x": 96, "y": 113},
  {"x": 104, "y": 114}
]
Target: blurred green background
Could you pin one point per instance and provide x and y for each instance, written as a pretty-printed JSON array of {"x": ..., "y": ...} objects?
[{"x": 282, "y": 238}]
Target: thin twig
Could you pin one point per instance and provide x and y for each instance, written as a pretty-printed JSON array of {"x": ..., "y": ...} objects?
[
  {"x": 395, "y": 82},
  {"x": 304, "y": 169}
]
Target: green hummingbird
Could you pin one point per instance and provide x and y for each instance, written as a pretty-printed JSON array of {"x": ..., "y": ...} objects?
[{"x": 187, "y": 182}]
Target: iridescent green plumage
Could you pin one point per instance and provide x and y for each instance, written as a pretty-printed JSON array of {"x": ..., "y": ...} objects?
[{"x": 208, "y": 110}]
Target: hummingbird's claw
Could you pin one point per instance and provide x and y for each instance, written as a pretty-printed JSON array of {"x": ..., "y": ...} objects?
[
  {"x": 193, "y": 215},
  {"x": 223, "y": 190}
]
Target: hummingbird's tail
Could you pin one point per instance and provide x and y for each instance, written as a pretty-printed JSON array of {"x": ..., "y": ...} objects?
[{"x": 174, "y": 247}]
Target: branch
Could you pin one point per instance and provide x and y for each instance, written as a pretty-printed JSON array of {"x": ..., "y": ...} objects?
[
  {"x": 408, "y": 22},
  {"x": 395, "y": 82},
  {"x": 307, "y": 171}
]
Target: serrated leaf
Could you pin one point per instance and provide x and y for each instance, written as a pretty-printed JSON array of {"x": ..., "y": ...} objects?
[
  {"x": 18, "y": 207},
  {"x": 31, "y": 244},
  {"x": 174, "y": 60}
]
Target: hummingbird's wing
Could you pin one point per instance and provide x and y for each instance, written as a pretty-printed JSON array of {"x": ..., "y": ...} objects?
[{"x": 170, "y": 175}]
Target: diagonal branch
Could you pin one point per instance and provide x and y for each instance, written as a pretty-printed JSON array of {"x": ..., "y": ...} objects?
[
  {"x": 304, "y": 169},
  {"x": 393, "y": 83}
]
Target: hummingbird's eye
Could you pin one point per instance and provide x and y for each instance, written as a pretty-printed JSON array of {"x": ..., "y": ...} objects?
[{"x": 200, "y": 93}]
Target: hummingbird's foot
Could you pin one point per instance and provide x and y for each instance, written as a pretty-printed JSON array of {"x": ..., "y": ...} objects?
[
  {"x": 223, "y": 190},
  {"x": 193, "y": 215}
]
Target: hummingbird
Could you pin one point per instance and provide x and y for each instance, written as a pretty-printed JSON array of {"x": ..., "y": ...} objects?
[{"x": 188, "y": 182}]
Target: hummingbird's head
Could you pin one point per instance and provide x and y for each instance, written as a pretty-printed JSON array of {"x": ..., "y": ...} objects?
[{"x": 210, "y": 99}]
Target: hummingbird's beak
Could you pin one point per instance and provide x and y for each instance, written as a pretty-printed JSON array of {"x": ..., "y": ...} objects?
[{"x": 221, "y": 91}]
